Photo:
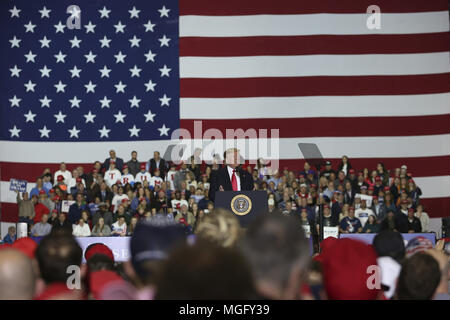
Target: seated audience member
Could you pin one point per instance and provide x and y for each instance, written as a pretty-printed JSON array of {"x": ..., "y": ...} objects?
[
  {"x": 328, "y": 219},
  {"x": 363, "y": 213},
  {"x": 391, "y": 222},
  {"x": 42, "y": 228},
  {"x": 17, "y": 275},
  {"x": 55, "y": 253},
  {"x": 186, "y": 215},
  {"x": 119, "y": 228},
  {"x": 278, "y": 254},
  {"x": 149, "y": 246},
  {"x": 442, "y": 291},
  {"x": 222, "y": 228},
  {"x": 103, "y": 213},
  {"x": 371, "y": 225},
  {"x": 423, "y": 217},
  {"x": 127, "y": 177},
  {"x": 419, "y": 278},
  {"x": 350, "y": 224},
  {"x": 81, "y": 229},
  {"x": 345, "y": 264},
  {"x": 412, "y": 223},
  {"x": 113, "y": 159},
  {"x": 224, "y": 272},
  {"x": 112, "y": 175},
  {"x": 62, "y": 224},
  {"x": 75, "y": 209},
  {"x": 11, "y": 236},
  {"x": 101, "y": 229},
  {"x": 132, "y": 226}
]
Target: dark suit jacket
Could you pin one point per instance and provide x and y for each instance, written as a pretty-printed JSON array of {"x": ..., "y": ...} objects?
[
  {"x": 162, "y": 167},
  {"x": 119, "y": 164},
  {"x": 108, "y": 196},
  {"x": 222, "y": 178}
]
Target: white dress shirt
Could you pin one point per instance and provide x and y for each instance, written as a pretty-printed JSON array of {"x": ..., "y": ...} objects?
[{"x": 238, "y": 179}]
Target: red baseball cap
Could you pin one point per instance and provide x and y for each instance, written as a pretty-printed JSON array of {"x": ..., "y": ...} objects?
[
  {"x": 351, "y": 171},
  {"x": 42, "y": 191},
  {"x": 98, "y": 248},
  {"x": 26, "y": 245},
  {"x": 125, "y": 166},
  {"x": 386, "y": 189},
  {"x": 60, "y": 178},
  {"x": 371, "y": 188},
  {"x": 79, "y": 180},
  {"x": 345, "y": 263},
  {"x": 375, "y": 197},
  {"x": 56, "y": 198},
  {"x": 326, "y": 206},
  {"x": 124, "y": 200},
  {"x": 377, "y": 178},
  {"x": 143, "y": 166},
  {"x": 52, "y": 191}
]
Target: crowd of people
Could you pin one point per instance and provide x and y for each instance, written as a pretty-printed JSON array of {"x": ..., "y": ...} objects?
[
  {"x": 110, "y": 198},
  {"x": 180, "y": 243}
]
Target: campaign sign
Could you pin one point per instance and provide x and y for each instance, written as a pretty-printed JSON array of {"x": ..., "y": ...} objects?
[
  {"x": 120, "y": 246},
  {"x": 65, "y": 205},
  {"x": 330, "y": 232},
  {"x": 365, "y": 197},
  {"x": 19, "y": 185}
]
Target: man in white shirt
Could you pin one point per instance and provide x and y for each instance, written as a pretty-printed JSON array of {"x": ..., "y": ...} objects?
[
  {"x": 363, "y": 213},
  {"x": 127, "y": 178},
  {"x": 171, "y": 176},
  {"x": 143, "y": 175},
  {"x": 156, "y": 180},
  {"x": 112, "y": 175},
  {"x": 64, "y": 172},
  {"x": 81, "y": 229},
  {"x": 73, "y": 181}
]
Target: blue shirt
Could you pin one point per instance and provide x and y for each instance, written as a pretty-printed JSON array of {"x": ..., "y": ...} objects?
[
  {"x": 351, "y": 225},
  {"x": 8, "y": 239}
]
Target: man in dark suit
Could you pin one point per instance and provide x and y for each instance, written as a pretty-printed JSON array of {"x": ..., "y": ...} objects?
[
  {"x": 230, "y": 177},
  {"x": 112, "y": 157},
  {"x": 157, "y": 163}
]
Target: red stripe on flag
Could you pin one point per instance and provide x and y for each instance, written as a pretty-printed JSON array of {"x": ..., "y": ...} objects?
[
  {"x": 419, "y": 167},
  {"x": 314, "y": 44},
  {"x": 314, "y": 86},
  {"x": 334, "y": 127},
  {"x": 250, "y": 7}
]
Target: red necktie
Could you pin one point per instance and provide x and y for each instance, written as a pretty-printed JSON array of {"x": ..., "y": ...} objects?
[{"x": 234, "y": 181}]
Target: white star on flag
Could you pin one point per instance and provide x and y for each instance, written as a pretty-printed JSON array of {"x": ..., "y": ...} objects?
[
  {"x": 135, "y": 71},
  {"x": 163, "y": 131},
  {"x": 30, "y": 86},
  {"x": 60, "y": 117},
  {"x": 120, "y": 87},
  {"x": 45, "y": 42},
  {"x": 105, "y": 72},
  {"x": 134, "y": 41},
  {"x": 74, "y": 132},
  {"x": 30, "y": 56},
  {"x": 90, "y": 27},
  {"x": 89, "y": 117},
  {"x": 104, "y": 133},
  {"x": 44, "y": 132},
  {"x": 165, "y": 71},
  {"x": 29, "y": 116},
  {"x": 120, "y": 117},
  {"x": 29, "y": 27},
  {"x": 134, "y": 13},
  {"x": 15, "y": 71},
  {"x": 45, "y": 102},
  {"x": 90, "y": 57},
  {"x": 150, "y": 86},
  {"x": 45, "y": 12},
  {"x": 60, "y": 86},
  {"x": 15, "y": 12},
  {"x": 75, "y": 42},
  {"x": 60, "y": 57},
  {"x": 75, "y": 72},
  {"x": 149, "y": 26},
  {"x": 134, "y": 102},
  {"x": 120, "y": 27},
  {"x": 165, "y": 100},
  {"x": 150, "y": 56},
  {"x": 15, "y": 42},
  {"x": 105, "y": 102},
  {"x": 120, "y": 57},
  {"x": 45, "y": 72},
  {"x": 104, "y": 12},
  {"x": 134, "y": 131},
  {"x": 75, "y": 102},
  {"x": 149, "y": 116},
  {"x": 164, "y": 12},
  {"x": 14, "y": 101},
  {"x": 15, "y": 132},
  {"x": 90, "y": 87},
  {"x": 164, "y": 41},
  {"x": 59, "y": 27}
]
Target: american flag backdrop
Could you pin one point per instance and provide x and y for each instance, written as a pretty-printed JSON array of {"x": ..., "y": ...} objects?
[{"x": 137, "y": 70}]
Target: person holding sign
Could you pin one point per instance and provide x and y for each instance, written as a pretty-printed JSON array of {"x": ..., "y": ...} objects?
[{"x": 350, "y": 224}]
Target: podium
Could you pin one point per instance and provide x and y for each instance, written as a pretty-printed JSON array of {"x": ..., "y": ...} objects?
[{"x": 245, "y": 205}]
